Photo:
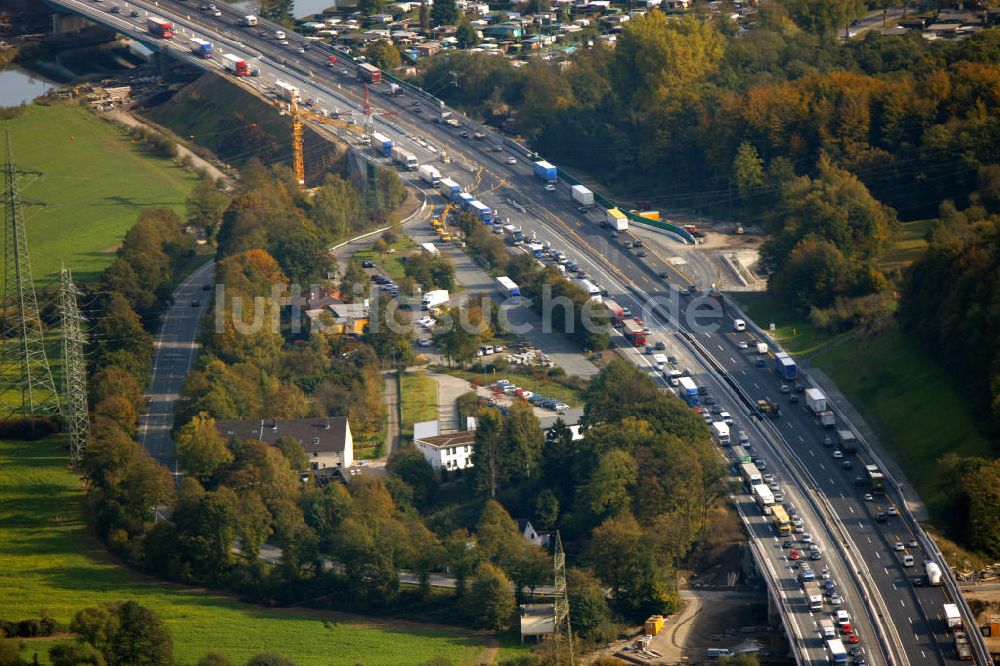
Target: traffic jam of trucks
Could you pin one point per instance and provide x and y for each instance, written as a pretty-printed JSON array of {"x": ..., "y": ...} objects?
[{"x": 817, "y": 588}]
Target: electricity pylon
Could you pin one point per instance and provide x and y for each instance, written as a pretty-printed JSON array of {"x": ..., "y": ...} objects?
[
  {"x": 563, "y": 629},
  {"x": 26, "y": 385},
  {"x": 75, "y": 411}
]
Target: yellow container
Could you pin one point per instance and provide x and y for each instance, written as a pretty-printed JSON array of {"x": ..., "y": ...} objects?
[{"x": 654, "y": 624}]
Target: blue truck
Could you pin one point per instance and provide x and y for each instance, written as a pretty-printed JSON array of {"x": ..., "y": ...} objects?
[
  {"x": 545, "y": 171},
  {"x": 382, "y": 144},
  {"x": 201, "y": 48},
  {"x": 688, "y": 390},
  {"x": 785, "y": 366},
  {"x": 465, "y": 200},
  {"x": 449, "y": 189},
  {"x": 482, "y": 211}
]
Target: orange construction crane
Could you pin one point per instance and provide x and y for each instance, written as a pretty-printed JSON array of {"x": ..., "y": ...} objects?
[{"x": 298, "y": 115}]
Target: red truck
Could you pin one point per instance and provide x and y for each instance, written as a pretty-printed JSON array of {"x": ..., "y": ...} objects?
[
  {"x": 368, "y": 73},
  {"x": 616, "y": 311},
  {"x": 160, "y": 27},
  {"x": 235, "y": 65},
  {"x": 634, "y": 332}
]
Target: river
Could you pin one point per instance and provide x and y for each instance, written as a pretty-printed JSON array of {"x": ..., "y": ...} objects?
[{"x": 18, "y": 85}]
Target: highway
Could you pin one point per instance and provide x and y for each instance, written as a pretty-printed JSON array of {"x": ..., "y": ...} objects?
[{"x": 898, "y": 623}]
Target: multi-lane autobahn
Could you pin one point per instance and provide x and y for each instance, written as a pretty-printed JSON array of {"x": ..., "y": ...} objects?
[{"x": 898, "y": 622}]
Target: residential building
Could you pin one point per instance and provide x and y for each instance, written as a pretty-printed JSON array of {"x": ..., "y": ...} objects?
[
  {"x": 327, "y": 440},
  {"x": 533, "y": 536},
  {"x": 450, "y": 452}
]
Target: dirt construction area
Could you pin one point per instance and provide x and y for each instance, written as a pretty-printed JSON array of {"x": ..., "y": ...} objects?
[
  {"x": 714, "y": 619},
  {"x": 985, "y": 603}
]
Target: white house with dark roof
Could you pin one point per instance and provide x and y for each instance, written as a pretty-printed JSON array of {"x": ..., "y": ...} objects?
[
  {"x": 327, "y": 440},
  {"x": 452, "y": 451}
]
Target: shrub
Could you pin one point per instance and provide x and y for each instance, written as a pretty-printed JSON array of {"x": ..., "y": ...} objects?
[{"x": 28, "y": 428}]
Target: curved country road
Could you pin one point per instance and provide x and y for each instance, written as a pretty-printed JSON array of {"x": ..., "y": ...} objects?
[{"x": 174, "y": 353}]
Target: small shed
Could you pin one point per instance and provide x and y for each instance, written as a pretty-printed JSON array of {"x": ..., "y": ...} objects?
[{"x": 538, "y": 621}]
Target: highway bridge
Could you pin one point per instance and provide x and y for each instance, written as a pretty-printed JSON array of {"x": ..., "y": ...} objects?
[{"x": 898, "y": 622}]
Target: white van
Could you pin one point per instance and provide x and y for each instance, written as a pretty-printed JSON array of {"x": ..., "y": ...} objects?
[
  {"x": 739, "y": 325},
  {"x": 661, "y": 361},
  {"x": 843, "y": 617},
  {"x": 827, "y": 628},
  {"x": 907, "y": 560},
  {"x": 279, "y": 34}
]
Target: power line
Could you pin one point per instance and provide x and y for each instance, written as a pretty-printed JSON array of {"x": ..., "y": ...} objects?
[
  {"x": 563, "y": 628},
  {"x": 75, "y": 412},
  {"x": 25, "y": 376}
]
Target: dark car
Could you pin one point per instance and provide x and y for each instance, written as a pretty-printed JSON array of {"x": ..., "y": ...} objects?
[
  {"x": 195, "y": 303},
  {"x": 134, "y": 14},
  {"x": 660, "y": 346},
  {"x": 641, "y": 253},
  {"x": 708, "y": 400},
  {"x": 367, "y": 264},
  {"x": 793, "y": 398},
  {"x": 664, "y": 275},
  {"x": 638, "y": 242},
  {"x": 206, "y": 286},
  {"x": 465, "y": 135}
]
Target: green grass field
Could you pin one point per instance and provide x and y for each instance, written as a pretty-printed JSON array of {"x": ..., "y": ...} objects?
[
  {"x": 95, "y": 182},
  {"x": 792, "y": 330},
  {"x": 50, "y": 561},
  {"x": 390, "y": 264},
  {"x": 908, "y": 247},
  {"x": 912, "y": 402},
  {"x": 418, "y": 399}
]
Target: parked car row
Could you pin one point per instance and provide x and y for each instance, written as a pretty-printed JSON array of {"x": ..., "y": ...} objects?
[{"x": 509, "y": 388}]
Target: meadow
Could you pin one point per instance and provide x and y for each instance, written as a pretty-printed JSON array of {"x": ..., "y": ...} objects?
[
  {"x": 94, "y": 182},
  {"x": 49, "y": 560}
]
